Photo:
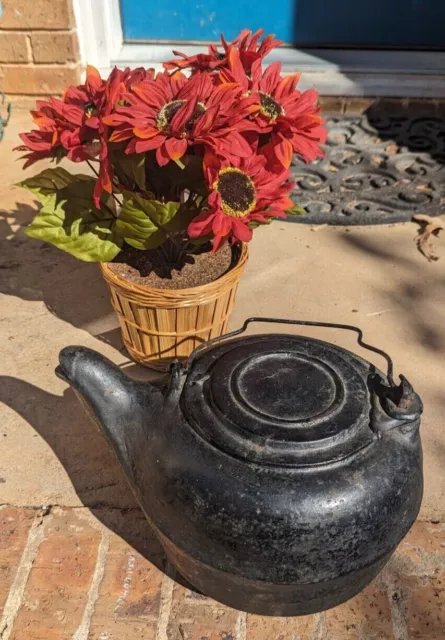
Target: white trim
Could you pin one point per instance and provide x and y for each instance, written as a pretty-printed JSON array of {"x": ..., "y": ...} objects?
[
  {"x": 100, "y": 33},
  {"x": 343, "y": 72}
]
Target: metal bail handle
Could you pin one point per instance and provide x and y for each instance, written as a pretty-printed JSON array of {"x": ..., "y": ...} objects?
[{"x": 305, "y": 323}]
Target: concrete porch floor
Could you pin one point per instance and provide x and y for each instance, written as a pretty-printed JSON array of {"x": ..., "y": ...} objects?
[{"x": 65, "y": 572}]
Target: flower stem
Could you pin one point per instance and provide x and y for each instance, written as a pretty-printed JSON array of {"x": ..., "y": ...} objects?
[
  {"x": 97, "y": 176},
  {"x": 183, "y": 250},
  {"x": 164, "y": 253}
]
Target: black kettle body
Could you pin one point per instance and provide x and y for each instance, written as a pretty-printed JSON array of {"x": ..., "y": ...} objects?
[{"x": 280, "y": 472}]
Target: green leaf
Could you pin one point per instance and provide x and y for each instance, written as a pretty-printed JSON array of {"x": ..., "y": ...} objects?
[
  {"x": 130, "y": 169},
  {"x": 143, "y": 223},
  {"x": 296, "y": 211},
  {"x": 183, "y": 217},
  {"x": 158, "y": 212},
  {"x": 152, "y": 242},
  {"x": 50, "y": 181},
  {"x": 163, "y": 213},
  {"x": 199, "y": 242},
  {"x": 171, "y": 179},
  {"x": 134, "y": 225},
  {"x": 70, "y": 221},
  {"x": 192, "y": 176},
  {"x": 254, "y": 224}
]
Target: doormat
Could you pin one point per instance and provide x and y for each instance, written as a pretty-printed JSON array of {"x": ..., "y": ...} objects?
[{"x": 380, "y": 167}]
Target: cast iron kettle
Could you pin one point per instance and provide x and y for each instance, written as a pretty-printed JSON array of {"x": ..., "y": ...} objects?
[{"x": 280, "y": 472}]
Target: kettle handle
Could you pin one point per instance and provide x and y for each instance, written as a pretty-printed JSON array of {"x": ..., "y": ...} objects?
[{"x": 306, "y": 323}]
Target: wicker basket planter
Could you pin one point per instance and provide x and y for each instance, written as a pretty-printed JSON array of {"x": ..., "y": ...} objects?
[{"x": 160, "y": 325}]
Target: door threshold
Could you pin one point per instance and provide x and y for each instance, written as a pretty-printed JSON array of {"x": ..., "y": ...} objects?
[{"x": 333, "y": 72}]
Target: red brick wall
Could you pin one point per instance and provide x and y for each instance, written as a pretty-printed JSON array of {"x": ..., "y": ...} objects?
[{"x": 39, "y": 52}]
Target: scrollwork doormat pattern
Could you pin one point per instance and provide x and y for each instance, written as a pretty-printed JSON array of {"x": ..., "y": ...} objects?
[{"x": 379, "y": 168}]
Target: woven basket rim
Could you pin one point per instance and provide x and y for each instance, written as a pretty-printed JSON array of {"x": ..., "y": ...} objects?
[{"x": 118, "y": 280}]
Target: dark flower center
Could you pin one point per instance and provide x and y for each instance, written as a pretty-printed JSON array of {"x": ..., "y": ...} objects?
[
  {"x": 169, "y": 110},
  {"x": 270, "y": 107},
  {"x": 90, "y": 109},
  {"x": 237, "y": 191}
]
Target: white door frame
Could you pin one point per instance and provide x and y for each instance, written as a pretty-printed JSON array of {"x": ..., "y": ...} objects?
[{"x": 345, "y": 72}]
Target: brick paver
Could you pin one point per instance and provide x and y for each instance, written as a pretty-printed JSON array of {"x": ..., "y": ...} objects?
[
  {"x": 194, "y": 616},
  {"x": 14, "y": 530},
  {"x": 65, "y": 576},
  {"x": 368, "y": 615},
  {"x": 57, "y": 587},
  {"x": 129, "y": 596},
  {"x": 265, "y": 628}
]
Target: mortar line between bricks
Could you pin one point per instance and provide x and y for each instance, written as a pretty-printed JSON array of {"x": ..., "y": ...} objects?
[
  {"x": 321, "y": 631},
  {"x": 29, "y": 51},
  {"x": 39, "y": 30},
  {"x": 66, "y": 507},
  {"x": 165, "y": 608},
  {"x": 49, "y": 65},
  {"x": 93, "y": 592},
  {"x": 56, "y": 32},
  {"x": 396, "y": 605},
  {"x": 241, "y": 626},
  {"x": 15, "y": 596}
]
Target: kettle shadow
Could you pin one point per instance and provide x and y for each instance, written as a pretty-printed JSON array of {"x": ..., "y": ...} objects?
[{"x": 90, "y": 464}]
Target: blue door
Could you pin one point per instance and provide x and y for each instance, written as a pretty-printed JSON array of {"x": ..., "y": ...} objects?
[{"x": 341, "y": 23}]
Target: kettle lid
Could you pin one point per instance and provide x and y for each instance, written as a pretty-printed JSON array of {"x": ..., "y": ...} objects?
[{"x": 280, "y": 399}]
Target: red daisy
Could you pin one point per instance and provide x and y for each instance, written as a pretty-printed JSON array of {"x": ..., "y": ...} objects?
[
  {"x": 111, "y": 94},
  {"x": 248, "y": 45},
  {"x": 291, "y": 117},
  {"x": 72, "y": 126},
  {"x": 241, "y": 192},
  {"x": 173, "y": 112},
  {"x": 43, "y": 142},
  {"x": 66, "y": 127},
  {"x": 210, "y": 61}
]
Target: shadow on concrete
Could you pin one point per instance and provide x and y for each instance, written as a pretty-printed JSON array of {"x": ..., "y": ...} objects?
[
  {"x": 72, "y": 290},
  {"x": 414, "y": 294},
  {"x": 89, "y": 462}
]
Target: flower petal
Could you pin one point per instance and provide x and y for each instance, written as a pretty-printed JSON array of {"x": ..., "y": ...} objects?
[
  {"x": 218, "y": 242},
  {"x": 283, "y": 151},
  {"x": 241, "y": 231},
  {"x": 222, "y": 224},
  {"x": 176, "y": 147},
  {"x": 271, "y": 77},
  {"x": 201, "y": 225}
]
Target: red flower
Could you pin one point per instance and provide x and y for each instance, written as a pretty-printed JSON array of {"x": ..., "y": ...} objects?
[
  {"x": 291, "y": 117},
  {"x": 249, "y": 49},
  {"x": 245, "y": 42},
  {"x": 110, "y": 94},
  {"x": 106, "y": 96},
  {"x": 66, "y": 127},
  {"x": 43, "y": 142},
  {"x": 210, "y": 61},
  {"x": 72, "y": 127},
  {"x": 241, "y": 193},
  {"x": 173, "y": 112}
]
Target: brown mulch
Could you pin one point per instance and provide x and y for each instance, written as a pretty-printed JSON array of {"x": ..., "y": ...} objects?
[{"x": 150, "y": 268}]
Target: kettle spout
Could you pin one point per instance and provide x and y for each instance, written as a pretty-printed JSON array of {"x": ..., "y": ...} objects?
[{"x": 120, "y": 406}]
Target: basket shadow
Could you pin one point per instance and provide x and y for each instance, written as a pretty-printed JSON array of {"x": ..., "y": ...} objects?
[{"x": 72, "y": 290}]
